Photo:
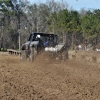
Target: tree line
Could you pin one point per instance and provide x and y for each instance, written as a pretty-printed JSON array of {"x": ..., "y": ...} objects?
[{"x": 19, "y": 18}]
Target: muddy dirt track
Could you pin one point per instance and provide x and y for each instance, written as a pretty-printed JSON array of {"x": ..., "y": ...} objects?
[{"x": 48, "y": 79}]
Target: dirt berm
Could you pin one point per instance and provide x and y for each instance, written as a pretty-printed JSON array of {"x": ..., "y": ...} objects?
[{"x": 48, "y": 79}]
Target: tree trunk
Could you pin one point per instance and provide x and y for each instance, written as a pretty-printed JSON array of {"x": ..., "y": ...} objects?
[{"x": 72, "y": 41}]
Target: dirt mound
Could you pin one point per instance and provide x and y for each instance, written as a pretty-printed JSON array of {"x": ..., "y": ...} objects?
[{"x": 45, "y": 79}]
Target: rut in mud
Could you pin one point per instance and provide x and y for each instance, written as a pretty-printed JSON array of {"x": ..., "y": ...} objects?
[{"x": 48, "y": 79}]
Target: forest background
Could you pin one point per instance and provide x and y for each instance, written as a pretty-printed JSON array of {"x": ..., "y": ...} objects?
[{"x": 19, "y": 18}]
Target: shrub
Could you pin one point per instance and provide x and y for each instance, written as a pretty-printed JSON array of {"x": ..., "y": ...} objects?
[{"x": 3, "y": 49}]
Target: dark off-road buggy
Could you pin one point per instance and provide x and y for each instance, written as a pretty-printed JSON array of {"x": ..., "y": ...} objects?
[{"x": 40, "y": 42}]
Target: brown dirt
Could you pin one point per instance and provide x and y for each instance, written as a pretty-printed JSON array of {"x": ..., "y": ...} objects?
[{"x": 48, "y": 79}]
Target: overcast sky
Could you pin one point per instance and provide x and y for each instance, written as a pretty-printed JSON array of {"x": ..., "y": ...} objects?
[{"x": 76, "y": 4}]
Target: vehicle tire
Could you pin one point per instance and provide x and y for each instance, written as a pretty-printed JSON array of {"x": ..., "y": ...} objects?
[
  {"x": 23, "y": 55},
  {"x": 65, "y": 55},
  {"x": 33, "y": 53}
]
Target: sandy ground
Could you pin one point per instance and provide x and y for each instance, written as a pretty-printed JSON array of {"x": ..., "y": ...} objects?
[{"x": 48, "y": 79}]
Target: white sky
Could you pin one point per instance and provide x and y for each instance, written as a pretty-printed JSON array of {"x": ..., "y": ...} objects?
[{"x": 76, "y": 4}]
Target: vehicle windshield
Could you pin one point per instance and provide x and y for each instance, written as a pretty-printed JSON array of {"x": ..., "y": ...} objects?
[{"x": 43, "y": 37}]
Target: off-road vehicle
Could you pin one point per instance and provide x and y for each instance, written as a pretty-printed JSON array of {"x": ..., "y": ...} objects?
[{"x": 40, "y": 42}]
